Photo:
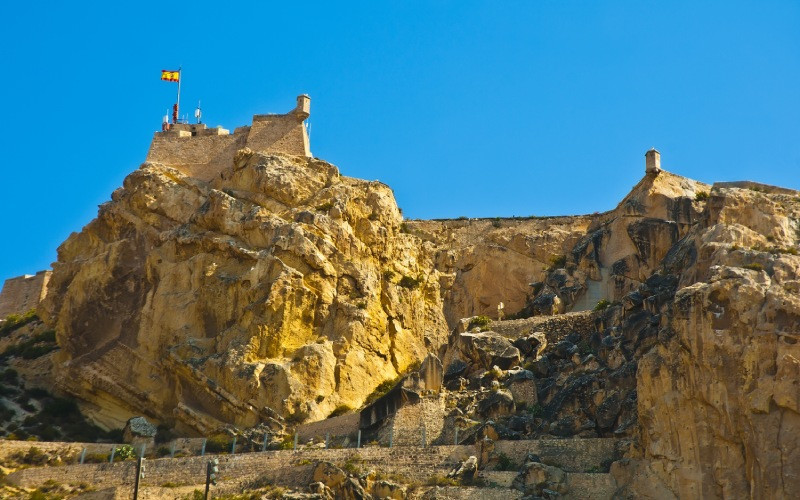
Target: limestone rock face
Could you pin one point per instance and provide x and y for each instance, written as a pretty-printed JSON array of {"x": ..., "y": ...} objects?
[
  {"x": 274, "y": 287},
  {"x": 719, "y": 396}
]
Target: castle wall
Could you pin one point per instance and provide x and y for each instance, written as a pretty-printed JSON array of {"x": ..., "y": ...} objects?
[
  {"x": 278, "y": 134},
  {"x": 203, "y": 153},
  {"x": 23, "y": 293},
  {"x": 202, "y": 157}
]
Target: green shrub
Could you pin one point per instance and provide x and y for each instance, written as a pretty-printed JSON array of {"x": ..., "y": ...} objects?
[
  {"x": 60, "y": 408},
  {"x": 35, "y": 347},
  {"x": 441, "y": 481},
  {"x": 504, "y": 462},
  {"x": 164, "y": 434},
  {"x": 585, "y": 348},
  {"x": 124, "y": 452},
  {"x": 535, "y": 410},
  {"x": 218, "y": 443},
  {"x": 34, "y": 456},
  {"x": 602, "y": 304},
  {"x": 409, "y": 282},
  {"x": 37, "y": 393},
  {"x": 340, "y": 410},
  {"x": 388, "y": 275},
  {"x": 325, "y": 206},
  {"x": 14, "y": 321},
  {"x": 479, "y": 322},
  {"x": 11, "y": 376},
  {"x": 558, "y": 261},
  {"x": 755, "y": 266},
  {"x": 382, "y": 389},
  {"x": 701, "y": 196}
]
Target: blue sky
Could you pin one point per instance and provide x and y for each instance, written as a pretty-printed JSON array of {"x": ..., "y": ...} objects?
[{"x": 465, "y": 108}]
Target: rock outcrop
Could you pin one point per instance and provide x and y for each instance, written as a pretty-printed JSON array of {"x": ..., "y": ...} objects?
[
  {"x": 280, "y": 285},
  {"x": 282, "y": 289},
  {"x": 719, "y": 395}
]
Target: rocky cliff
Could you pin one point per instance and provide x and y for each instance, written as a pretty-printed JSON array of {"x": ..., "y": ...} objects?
[{"x": 283, "y": 288}]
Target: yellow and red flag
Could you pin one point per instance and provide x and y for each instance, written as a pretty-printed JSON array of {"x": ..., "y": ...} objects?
[{"x": 170, "y": 76}]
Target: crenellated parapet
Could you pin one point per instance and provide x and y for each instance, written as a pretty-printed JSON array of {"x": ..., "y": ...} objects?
[{"x": 202, "y": 152}]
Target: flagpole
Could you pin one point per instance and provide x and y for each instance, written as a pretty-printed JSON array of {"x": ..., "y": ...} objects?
[{"x": 179, "y": 95}]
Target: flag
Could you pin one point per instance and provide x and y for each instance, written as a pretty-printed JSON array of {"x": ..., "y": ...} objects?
[{"x": 170, "y": 76}]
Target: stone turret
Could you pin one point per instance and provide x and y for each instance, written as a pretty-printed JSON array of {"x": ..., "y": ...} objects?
[
  {"x": 652, "y": 161},
  {"x": 303, "y": 109}
]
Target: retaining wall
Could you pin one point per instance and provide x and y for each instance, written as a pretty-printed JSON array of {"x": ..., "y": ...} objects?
[
  {"x": 294, "y": 468},
  {"x": 554, "y": 327}
]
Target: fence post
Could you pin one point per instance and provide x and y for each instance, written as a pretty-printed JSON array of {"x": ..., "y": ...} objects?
[
  {"x": 143, "y": 448},
  {"x": 203, "y": 448},
  {"x": 456, "y": 440},
  {"x": 172, "y": 449},
  {"x": 358, "y": 445},
  {"x": 233, "y": 446},
  {"x": 327, "y": 439},
  {"x": 264, "y": 446},
  {"x": 83, "y": 455},
  {"x": 391, "y": 437},
  {"x": 295, "y": 441},
  {"x": 113, "y": 452}
]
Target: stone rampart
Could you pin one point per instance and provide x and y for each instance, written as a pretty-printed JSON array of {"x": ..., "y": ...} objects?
[
  {"x": 23, "y": 293},
  {"x": 202, "y": 157},
  {"x": 755, "y": 186},
  {"x": 203, "y": 153},
  {"x": 554, "y": 327}
]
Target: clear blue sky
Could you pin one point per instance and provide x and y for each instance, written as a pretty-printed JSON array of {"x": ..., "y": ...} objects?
[{"x": 463, "y": 107}]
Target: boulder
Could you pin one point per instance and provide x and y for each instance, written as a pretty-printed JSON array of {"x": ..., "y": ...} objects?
[
  {"x": 535, "y": 477},
  {"x": 466, "y": 470},
  {"x": 139, "y": 430},
  {"x": 496, "y": 404},
  {"x": 484, "y": 350},
  {"x": 522, "y": 385}
]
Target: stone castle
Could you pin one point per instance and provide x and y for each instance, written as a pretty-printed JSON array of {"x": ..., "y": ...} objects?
[
  {"x": 202, "y": 152},
  {"x": 197, "y": 151}
]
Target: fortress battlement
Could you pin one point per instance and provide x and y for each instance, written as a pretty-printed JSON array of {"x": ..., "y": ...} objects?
[{"x": 202, "y": 152}]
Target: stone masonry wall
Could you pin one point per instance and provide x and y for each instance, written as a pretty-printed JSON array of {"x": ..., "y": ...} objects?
[
  {"x": 294, "y": 468},
  {"x": 572, "y": 455},
  {"x": 278, "y": 133},
  {"x": 554, "y": 327},
  {"x": 23, "y": 293},
  {"x": 405, "y": 426},
  {"x": 202, "y": 157},
  {"x": 287, "y": 468}
]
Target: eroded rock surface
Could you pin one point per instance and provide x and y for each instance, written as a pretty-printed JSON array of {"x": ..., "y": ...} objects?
[{"x": 276, "y": 286}]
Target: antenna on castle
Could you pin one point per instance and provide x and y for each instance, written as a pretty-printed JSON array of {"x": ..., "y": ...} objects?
[{"x": 198, "y": 113}]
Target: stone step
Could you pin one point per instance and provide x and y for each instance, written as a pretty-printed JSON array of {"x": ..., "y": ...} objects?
[{"x": 594, "y": 485}]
